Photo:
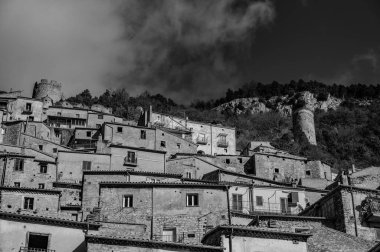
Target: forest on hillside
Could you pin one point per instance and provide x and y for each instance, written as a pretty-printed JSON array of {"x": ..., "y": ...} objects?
[{"x": 346, "y": 136}]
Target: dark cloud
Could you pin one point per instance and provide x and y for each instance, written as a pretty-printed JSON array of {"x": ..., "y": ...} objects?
[{"x": 182, "y": 48}]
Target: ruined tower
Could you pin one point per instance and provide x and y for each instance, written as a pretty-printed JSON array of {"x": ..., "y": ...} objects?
[
  {"x": 303, "y": 125},
  {"x": 52, "y": 89},
  {"x": 303, "y": 117}
]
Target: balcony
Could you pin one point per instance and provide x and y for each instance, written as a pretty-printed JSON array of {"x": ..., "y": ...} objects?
[
  {"x": 202, "y": 140},
  {"x": 182, "y": 238},
  {"x": 84, "y": 146},
  {"x": 264, "y": 208},
  {"x": 27, "y": 111},
  {"x": 222, "y": 144},
  {"x": 26, "y": 249},
  {"x": 128, "y": 161}
]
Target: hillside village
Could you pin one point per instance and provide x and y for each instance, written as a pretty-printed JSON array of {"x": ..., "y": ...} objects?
[{"x": 79, "y": 178}]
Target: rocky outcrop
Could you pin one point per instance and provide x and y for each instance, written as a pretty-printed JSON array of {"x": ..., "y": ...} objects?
[{"x": 281, "y": 104}]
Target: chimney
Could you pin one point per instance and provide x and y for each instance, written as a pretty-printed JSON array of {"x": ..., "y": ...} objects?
[{"x": 353, "y": 168}]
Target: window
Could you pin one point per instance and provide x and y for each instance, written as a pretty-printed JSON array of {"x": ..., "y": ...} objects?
[
  {"x": 293, "y": 199},
  {"x": 59, "y": 113},
  {"x": 100, "y": 116},
  {"x": 55, "y": 150},
  {"x": 163, "y": 144},
  {"x": 178, "y": 145},
  {"x": 276, "y": 170},
  {"x": 325, "y": 175},
  {"x": 74, "y": 217},
  {"x": 131, "y": 157},
  {"x": 128, "y": 201},
  {"x": 28, "y": 107},
  {"x": 40, "y": 147},
  {"x": 41, "y": 186},
  {"x": 308, "y": 173},
  {"x": 143, "y": 134},
  {"x": 192, "y": 199},
  {"x": 28, "y": 203},
  {"x": 188, "y": 175},
  {"x": 31, "y": 118},
  {"x": 86, "y": 166},
  {"x": 88, "y": 133},
  {"x": 19, "y": 164},
  {"x": 237, "y": 202},
  {"x": 240, "y": 160},
  {"x": 228, "y": 161},
  {"x": 119, "y": 129},
  {"x": 43, "y": 168},
  {"x": 77, "y": 115},
  {"x": 17, "y": 184},
  {"x": 259, "y": 201},
  {"x": 38, "y": 242},
  {"x": 98, "y": 126}
]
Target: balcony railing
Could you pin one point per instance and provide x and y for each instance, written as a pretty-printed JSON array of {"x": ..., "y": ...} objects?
[
  {"x": 202, "y": 140},
  {"x": 27, "y": 111},
  {"x": 223, "y": 144},
  {"x": 130, "y": 161},
  {"x": 265, "y": 208},
  {"x": 84, "y": 146},
  {"x": 26, "y": 249},
  {"x": 181, "y": 238}
]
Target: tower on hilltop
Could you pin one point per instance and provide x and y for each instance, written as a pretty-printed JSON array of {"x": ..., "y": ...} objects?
[{"x": 53, "y": 89}]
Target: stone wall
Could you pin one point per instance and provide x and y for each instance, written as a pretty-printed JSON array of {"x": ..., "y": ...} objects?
[
  {"x": 173, "y": 143},
  {"x": 167, "y": 209},
  {"x": 41, "y": 144},
  {"x": 70, "y": 164},
  {"x": 31, "y": 175},
  {"x": 278, "y": 168},
  {"x": 44, "y": 203},
  {"x": 12, "y": 131},
  {"x": 19, "y": 110}
]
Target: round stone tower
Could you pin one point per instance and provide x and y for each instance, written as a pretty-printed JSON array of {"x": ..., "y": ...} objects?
[
  {"x": 53, "y": 89},
  {"x": 303, "y": 125}
]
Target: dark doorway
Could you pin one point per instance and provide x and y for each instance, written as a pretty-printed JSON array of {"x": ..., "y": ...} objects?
[{"x": 39, "y": 241}]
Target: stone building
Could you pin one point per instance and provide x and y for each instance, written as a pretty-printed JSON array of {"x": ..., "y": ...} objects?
[
  {"x": 61, "y": 117},
  {"x": 24, "y": 232},
  {"x": 21, "y": 170},
  {"x": 51, "y": 89},
  {"x": 29, "y": 200},
  {"x": 92, "y": 179},
  {"x": 139, "y": 159},
  {"x": 350, "y": 207},
  {"x": 71, "y": 164},
  {"x": 181, "y": 212},
  {"x": 97, "y": 118},
  {"x": 145, "y": 137},
  {"x": 212, "y": 139},
  {"x": 269, "y": 162},
  {"x": 25, "y": 109}
]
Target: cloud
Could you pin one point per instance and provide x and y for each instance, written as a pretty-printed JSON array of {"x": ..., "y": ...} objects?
[
  {"x": 186, "y": 49},
  {"x": 362, "y": 68}
]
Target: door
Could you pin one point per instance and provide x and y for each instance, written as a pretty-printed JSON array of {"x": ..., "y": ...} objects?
[
  {"x": 284, "y": 205},
  {"x": 168, "y": 235},
  {"x": 38, "y": 241}
]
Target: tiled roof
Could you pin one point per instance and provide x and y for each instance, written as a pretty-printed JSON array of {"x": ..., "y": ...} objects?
[
  {"x": 47, "y": 220},
  {"x": 28, "y": 189},
  {"x": 145, "y": 243},
  {"x": 136, "y": 148},
  {"x": 159, "y": 184},
  {"x": 147, "y": 173},
  {"x": 250, "y": 231}
]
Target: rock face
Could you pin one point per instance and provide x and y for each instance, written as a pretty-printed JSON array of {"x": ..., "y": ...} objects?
[{"x": 282, "y": 104}]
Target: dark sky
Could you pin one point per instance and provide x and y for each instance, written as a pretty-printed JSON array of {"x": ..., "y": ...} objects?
[{"x": 186, "y": 49}]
